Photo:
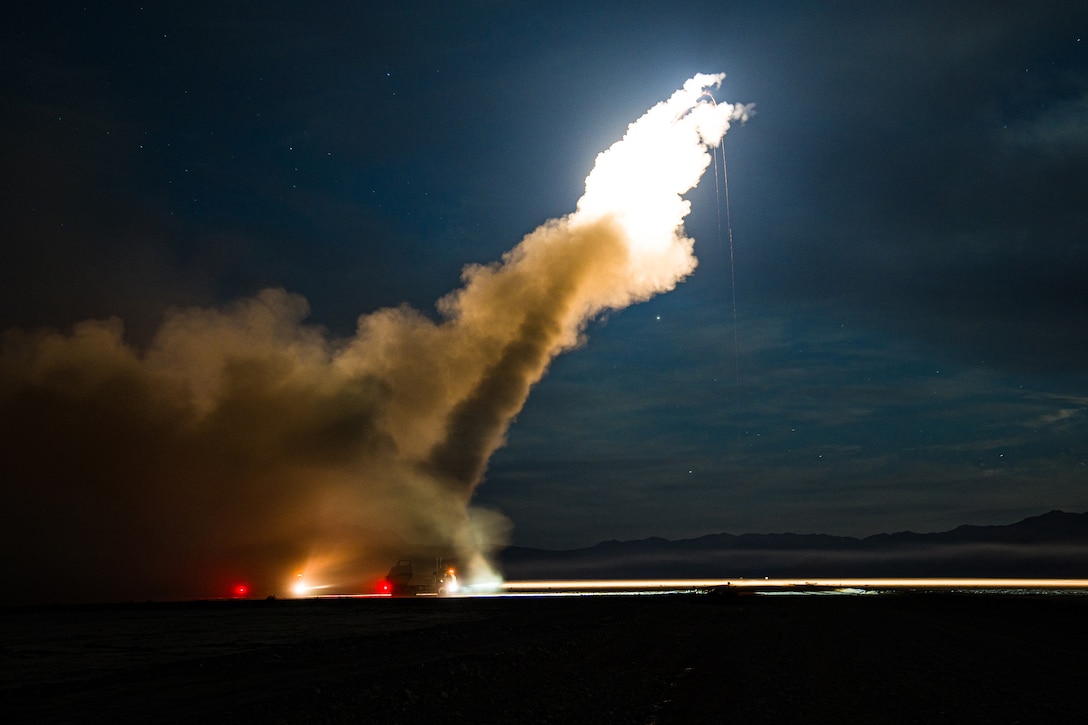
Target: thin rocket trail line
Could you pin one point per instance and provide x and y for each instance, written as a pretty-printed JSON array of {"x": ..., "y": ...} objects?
[
  {"x": 729, "y": 225},
  {"x": 732, "y": 265},
  {"x": 717, "y": 195}
]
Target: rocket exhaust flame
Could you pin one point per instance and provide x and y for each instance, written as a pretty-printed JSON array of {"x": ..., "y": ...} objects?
[{"x": 245, "y": 443}]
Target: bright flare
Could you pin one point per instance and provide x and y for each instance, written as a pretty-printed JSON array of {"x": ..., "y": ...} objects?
[{"x": 638, "y": 182}]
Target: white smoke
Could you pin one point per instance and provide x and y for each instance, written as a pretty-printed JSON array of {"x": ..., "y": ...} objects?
[{"x": 245, "y": 444}]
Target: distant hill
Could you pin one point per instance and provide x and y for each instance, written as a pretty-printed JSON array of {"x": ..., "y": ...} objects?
[{"x": 1054, "y": 544}]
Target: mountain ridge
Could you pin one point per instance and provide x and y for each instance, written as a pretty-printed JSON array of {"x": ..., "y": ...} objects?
[{"x": 1054, "y": 544}]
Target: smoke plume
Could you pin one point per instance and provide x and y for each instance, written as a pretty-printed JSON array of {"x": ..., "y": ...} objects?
[{"x": 243, "y": 445}]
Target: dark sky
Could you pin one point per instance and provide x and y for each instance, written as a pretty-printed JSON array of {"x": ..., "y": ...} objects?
[{"x": 908, "y": 207}]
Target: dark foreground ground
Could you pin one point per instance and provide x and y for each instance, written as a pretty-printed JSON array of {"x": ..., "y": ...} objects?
[{"x": 928, "y": 657}]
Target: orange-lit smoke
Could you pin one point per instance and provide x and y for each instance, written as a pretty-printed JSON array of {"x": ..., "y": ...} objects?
[{"x": 244, "y": 444}]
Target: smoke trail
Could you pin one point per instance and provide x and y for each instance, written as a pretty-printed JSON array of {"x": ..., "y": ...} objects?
[{"x": 245, "y": 445}]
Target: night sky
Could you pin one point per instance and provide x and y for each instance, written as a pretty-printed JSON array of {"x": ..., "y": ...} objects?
[{"x": 908, "y": 210}]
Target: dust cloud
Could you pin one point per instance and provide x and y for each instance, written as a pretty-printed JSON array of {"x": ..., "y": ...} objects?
[{"x": 243, "y": 445}]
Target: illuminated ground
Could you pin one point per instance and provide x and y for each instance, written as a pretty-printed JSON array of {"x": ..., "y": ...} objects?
[
  {"x": 729, "y": 655},
  {"x": 621, "y": 587}
]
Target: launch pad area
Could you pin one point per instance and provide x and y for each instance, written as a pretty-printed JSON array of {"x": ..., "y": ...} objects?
[{"x": 919, "y": 655}]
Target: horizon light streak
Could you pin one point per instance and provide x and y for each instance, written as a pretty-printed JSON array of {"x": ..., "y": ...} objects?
[{"x": 830, "y": 583}]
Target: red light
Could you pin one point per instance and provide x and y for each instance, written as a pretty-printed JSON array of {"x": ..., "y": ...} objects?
[
  {"x": 240, "y": 590},
  {"x": 384, "y": 587}
]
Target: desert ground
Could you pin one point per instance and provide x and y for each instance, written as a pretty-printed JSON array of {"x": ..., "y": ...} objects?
[{"x": 906, "y": 657}]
